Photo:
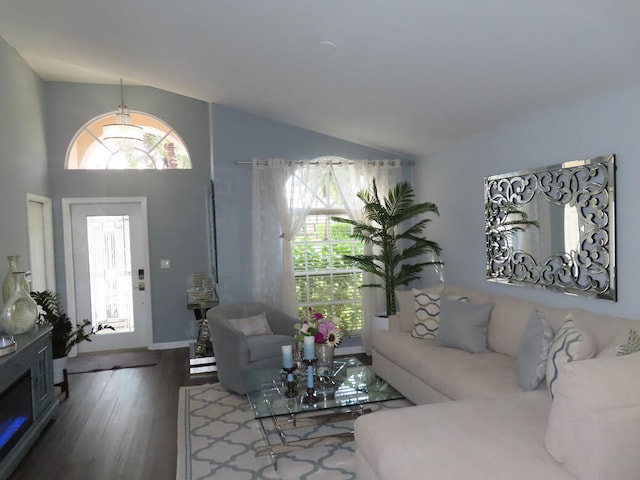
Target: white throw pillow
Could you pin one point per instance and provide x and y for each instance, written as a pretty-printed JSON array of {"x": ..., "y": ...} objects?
[
  {"x": 250, "y": 326},
  {"x": 427, "y": 313},
  {"x": 570, "y": 343},
  {"x": 593, "y": 423}
]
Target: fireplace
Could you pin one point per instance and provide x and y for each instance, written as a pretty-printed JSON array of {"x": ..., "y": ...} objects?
[{"x": 16, "y": 413}]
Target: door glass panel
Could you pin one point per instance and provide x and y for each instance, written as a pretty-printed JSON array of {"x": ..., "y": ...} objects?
[{"x": 110, "y": 272}]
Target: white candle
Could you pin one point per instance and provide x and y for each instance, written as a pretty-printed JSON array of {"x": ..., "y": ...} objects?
[
  {"x": 287, "y": 356},
  {"x": 310, "y": 376},
  {"x": 309, "y": 348}
]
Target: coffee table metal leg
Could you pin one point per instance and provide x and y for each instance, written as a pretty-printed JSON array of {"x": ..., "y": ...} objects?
[{"x": 273, "y": 450}]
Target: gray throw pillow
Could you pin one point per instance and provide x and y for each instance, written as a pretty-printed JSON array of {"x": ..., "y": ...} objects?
[
  {"x": 533, "y": 351},
  {"x": 464, "y": 325},
  {"x": 250, "y": 326}
]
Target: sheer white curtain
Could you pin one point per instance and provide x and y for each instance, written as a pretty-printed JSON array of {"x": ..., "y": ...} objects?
[
  {"x": 283, "y": 192},
  {"x": 351, "y": 178}
]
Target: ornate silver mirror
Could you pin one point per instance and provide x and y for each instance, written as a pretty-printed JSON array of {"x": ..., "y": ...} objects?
[{"x": 554, "y": 227}]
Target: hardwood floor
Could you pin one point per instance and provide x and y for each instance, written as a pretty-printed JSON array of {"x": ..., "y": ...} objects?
[{"x": 117, "y": 424}]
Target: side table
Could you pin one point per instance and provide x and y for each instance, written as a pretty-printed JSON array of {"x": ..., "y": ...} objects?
[{"x": 202, "y": 359}]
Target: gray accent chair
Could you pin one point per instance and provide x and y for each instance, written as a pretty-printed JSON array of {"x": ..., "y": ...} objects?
[{"x": 236, "y": 352}]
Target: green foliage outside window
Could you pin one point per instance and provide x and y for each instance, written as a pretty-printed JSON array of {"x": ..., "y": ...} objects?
[{"x": 324, "y": 280}]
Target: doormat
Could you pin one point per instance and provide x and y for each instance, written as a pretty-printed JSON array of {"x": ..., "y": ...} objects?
[{"x": 113, "y": 361}]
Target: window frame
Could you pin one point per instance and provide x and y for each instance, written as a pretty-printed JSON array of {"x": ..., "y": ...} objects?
[
  {"x": 353, "y": 325},
  {"x": 76, "y": 155}
]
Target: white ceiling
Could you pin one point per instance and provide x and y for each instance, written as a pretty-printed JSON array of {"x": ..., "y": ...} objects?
[{"x": 408, "y": 76}]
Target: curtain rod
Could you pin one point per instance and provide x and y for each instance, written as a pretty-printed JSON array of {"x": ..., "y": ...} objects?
[{"x": 334, "y": 162}]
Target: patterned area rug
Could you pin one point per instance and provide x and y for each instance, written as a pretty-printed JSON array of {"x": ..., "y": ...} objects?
[{"x": 218, "y": 437}]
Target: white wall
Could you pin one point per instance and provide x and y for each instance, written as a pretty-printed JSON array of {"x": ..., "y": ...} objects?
[{"x": 454, "y": 180}]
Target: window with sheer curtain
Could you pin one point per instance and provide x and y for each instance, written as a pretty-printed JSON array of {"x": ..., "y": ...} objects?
[
  {"x": 291, "y": 203},
  {"x": 324, "y": 281}
]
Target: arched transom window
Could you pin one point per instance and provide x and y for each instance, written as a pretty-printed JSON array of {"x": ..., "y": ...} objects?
[{"x": 161, "y": 147}]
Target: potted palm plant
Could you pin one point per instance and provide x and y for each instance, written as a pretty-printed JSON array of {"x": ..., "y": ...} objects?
[
  {"x": 64, "y": 335},
  {"x": 391, "y": 227}
]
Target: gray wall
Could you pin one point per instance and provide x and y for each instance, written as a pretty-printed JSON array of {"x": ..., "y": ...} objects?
[
  {"x": 239, "y": 136},
  {"x": 454, "y": 179},
  {"x": 23, "y": 159},
  {"x": 176, "y": 198}
]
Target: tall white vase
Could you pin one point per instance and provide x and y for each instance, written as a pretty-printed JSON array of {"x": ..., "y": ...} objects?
[
  {"x": 8, "y": 283},
  {"x": 20, "y": 312}
]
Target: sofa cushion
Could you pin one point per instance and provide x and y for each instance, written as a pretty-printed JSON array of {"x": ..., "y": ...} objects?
[
  {"x": 570, "y": 343},
  {"x": 498, "y": 439},
  {"x": 593, "y": 423},
  {"x": 509, "y": 319},
  {"x": 427, "y": 313},
  {"x": 464, "y": 325},
  {"x": 454, "y": 373},
  {"x": 603, "y": 328},
  {"x": 533, "y": 351}
]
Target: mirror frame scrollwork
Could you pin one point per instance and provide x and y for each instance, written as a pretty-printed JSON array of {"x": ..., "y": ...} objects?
[{"x": 586, "y": 185}]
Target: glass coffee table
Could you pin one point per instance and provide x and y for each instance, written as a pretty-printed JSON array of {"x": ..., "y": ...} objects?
[{"x": 348, "y": 392}]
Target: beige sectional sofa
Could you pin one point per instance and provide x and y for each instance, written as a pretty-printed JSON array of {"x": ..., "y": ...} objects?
[{"x": 472, "y": 419}]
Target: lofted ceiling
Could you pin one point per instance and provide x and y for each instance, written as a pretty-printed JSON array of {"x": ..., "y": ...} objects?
[{"x": 407, "y": 76}]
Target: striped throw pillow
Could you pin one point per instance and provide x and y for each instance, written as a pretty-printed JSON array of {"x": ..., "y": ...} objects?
[
  {"x": 632, "y": 345},
  {"x": 570, "y": 343},
  {"x": 427, "y": 317}
]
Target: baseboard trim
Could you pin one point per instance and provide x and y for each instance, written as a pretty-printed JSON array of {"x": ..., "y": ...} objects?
[
  {"x": 186, "y": 343},
  {"x": 349, "y": 350}
]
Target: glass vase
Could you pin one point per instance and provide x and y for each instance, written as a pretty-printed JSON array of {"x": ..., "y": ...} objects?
[
  {"x": 324, "y": 353},
  {"x": 7, "y": 284},
  {"x": 20, "y": 312}
]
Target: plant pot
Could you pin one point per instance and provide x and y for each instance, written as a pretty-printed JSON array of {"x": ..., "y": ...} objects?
[
  {"x": 59, "y": 364},
  {"x": 380, "y": 322}
]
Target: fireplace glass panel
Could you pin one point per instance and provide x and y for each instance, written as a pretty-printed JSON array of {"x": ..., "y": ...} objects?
[{"x": 16, "y": 413}]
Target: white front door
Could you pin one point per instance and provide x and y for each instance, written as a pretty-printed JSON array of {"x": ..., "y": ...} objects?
[{"x": 109, "y": 261}]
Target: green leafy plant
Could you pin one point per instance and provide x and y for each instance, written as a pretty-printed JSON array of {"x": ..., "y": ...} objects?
[
  {"x": 393, "y": 245},
  {"x": 63, "y": 334}
]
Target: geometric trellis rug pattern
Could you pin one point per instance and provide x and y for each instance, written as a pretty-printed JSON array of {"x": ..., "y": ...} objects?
[{"x": 218, "y": 437}]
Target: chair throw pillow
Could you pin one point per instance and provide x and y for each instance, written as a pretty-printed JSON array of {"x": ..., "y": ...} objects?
[
  {"x": 464, "y": 325},
  {"x": 533, "y": 351},
  {"x": 570, "y": 343},
  {"x": 250, "y": 326},
  {"x": 427, "y": 313},
  {"x": 632, "y": 345}
]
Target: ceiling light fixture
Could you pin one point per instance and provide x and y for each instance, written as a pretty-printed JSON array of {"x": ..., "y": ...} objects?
[{"x": 122, "y": 135}]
